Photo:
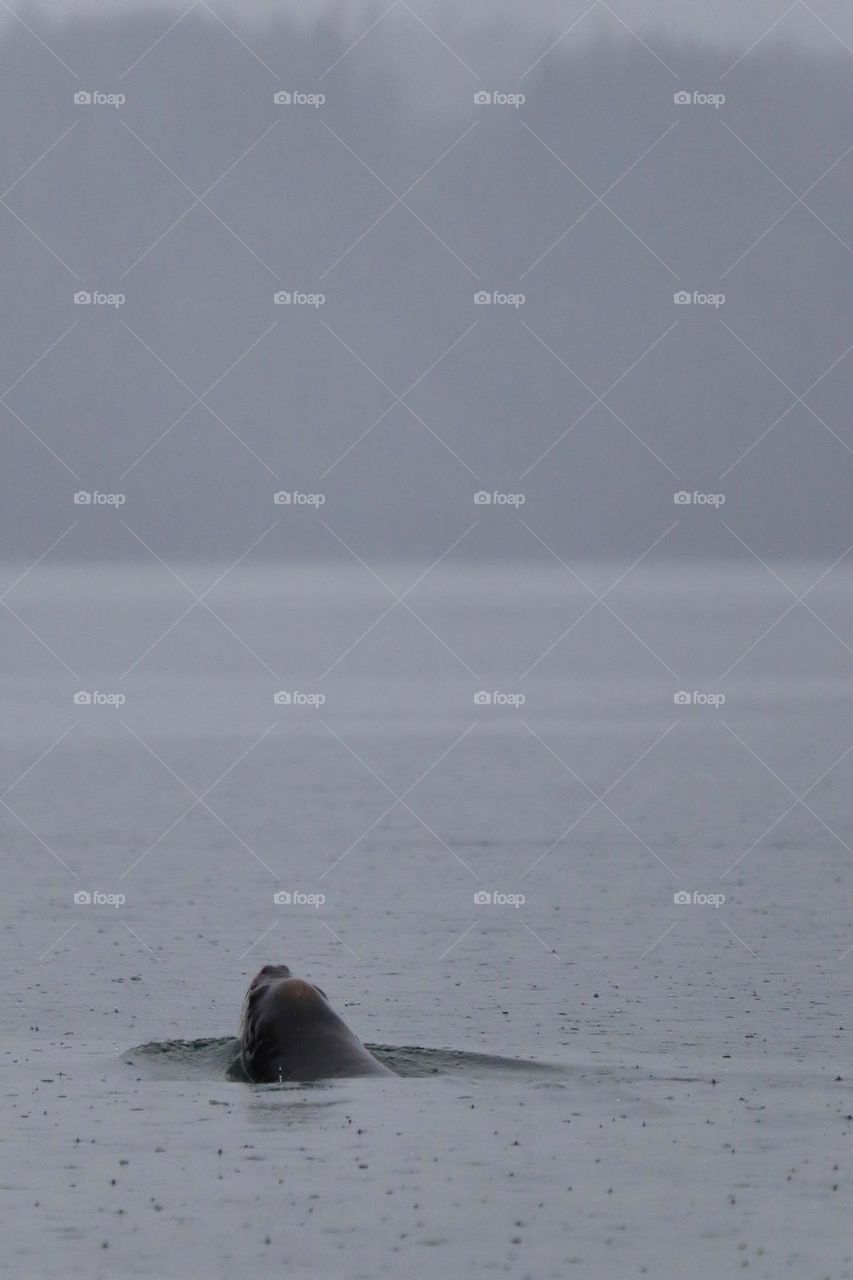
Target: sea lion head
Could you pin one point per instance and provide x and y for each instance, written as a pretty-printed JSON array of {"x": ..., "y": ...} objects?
[
  {"x": 289, "y": 1031},
  {"x": 280, "y": 1013}
]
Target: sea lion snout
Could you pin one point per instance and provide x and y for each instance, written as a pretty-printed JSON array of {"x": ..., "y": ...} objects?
[{"x": 269, "y": 972}]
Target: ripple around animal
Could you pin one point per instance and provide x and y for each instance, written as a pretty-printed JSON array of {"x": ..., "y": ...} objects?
[{"x": 216, "y": 1059}]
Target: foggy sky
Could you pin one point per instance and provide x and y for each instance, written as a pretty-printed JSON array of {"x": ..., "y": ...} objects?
[
  {"x": 724, "y": 21},
  {"x": 748, "y": 199}
]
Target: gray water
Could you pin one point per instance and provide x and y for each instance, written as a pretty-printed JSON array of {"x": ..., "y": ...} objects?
[{"x": 686, "y": 1098}]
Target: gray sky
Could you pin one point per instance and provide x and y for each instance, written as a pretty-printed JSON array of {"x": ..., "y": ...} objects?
[
  {"x": 721, "y": 21},
  {"x": 398, "y": 199}
]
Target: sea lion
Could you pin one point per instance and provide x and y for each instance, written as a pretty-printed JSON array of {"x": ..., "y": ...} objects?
[{"x": 289, "y": 1031}]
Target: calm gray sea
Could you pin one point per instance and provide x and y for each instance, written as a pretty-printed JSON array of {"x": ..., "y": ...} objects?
[{"x": 481, "y": 801}]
